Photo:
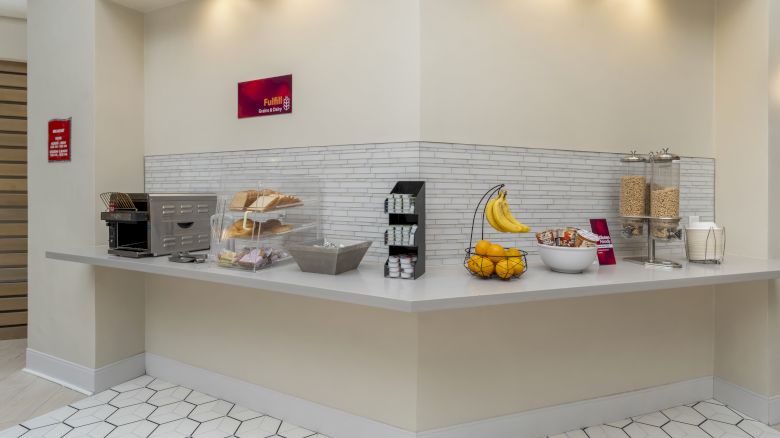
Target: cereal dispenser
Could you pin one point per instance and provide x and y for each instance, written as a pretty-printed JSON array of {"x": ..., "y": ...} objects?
[
  {"x": 633, "y": 194},
  {"x": 665, "y": 195},
  {"x": 650, "y": 197}
]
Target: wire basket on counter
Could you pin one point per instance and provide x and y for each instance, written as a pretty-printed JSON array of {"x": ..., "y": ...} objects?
[
  {"x": 705, "y": 245},
  {"x": 484, "y": 263},
  {"x": 505, "y": 267}
]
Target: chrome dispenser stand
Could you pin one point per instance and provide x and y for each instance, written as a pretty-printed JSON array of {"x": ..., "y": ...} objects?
[{"x": 650, "y": 259}]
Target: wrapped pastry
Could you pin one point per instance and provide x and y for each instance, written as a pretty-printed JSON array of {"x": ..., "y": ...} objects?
[
  {"x": 253, "y": 259},
  {"x": 242, "y": 200},
  {"x": 237, "y": 229},
  {"x": 546, "y": 237},
  {"x": 226, "y": 258},
  {"x": 566, "y": 237},
  {"x": 586, "y": 239},
  {"x": 269, "y": 200}
]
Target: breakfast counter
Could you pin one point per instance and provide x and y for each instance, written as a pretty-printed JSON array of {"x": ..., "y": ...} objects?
[{"x": 442, "y": 287}]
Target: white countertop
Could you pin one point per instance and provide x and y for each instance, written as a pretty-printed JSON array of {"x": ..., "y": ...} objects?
[{"x": 442, "y": 287}]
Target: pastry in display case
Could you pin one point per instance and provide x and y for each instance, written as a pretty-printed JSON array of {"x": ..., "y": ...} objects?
[{"x": 257, "y": 219}]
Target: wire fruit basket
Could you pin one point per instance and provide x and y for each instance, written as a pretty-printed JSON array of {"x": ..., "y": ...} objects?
[{"x": 488, "y": 260}]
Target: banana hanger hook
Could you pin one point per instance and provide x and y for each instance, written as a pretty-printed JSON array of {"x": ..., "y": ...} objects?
[{"x": 486, "y": 197}]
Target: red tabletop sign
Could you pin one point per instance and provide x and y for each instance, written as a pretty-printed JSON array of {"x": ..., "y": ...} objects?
[
  {"x": 59, "y": 140},
  {"x": 265, "y": 97},
  {"x": 606, "y": 249}
]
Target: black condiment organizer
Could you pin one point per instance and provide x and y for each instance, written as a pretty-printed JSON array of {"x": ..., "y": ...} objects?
[{"x": 417, "y": 190}]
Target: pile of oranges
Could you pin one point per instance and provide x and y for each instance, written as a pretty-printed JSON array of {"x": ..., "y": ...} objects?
[{"x": 491, "y": 258}]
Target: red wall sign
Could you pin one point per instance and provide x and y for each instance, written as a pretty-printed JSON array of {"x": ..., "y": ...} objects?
[
  {"x": 59, "y": 140},
  {"x": 265, "y": 97}
]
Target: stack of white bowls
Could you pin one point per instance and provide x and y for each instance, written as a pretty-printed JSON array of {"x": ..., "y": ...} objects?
[{"x": 706, "y": 242}]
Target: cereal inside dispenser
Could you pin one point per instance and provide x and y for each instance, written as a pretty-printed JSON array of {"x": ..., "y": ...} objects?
[
  {"x": 665, "y": 195},
  {"x": 633, "y": 194}
]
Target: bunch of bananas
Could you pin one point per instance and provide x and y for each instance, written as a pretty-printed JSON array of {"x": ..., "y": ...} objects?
[{"x": 500, "y": 217}]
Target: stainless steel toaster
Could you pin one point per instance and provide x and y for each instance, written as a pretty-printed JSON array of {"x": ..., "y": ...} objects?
[{"x": 155, "y": 224}]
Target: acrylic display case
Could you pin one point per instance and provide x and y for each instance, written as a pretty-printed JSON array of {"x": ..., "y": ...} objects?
[{"x": 258, "y": 217}]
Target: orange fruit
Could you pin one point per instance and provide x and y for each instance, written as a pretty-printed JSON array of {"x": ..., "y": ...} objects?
[
  {"x": 473, "y": 263},
  {"x": 481, "y": 266},
  {"x": 504, "y": 270},
  {"x": 482, "y": 247},
  {"x": 513, "y": 252},
  {"x": 496, "y": 253},
  {"x": 517, "y": 265}
]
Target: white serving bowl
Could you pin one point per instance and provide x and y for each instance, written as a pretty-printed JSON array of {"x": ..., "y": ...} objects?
[{"x": 567, "y": 260}]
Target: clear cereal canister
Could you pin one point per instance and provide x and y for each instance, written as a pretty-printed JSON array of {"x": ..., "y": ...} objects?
[
  {"x": 665, "y": 185},
  {"x": 633, "y": 193},
  {"x": 665, "y": 195}
]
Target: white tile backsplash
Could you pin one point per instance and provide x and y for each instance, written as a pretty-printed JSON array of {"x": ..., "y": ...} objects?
[{"x": 547, "y": 188}]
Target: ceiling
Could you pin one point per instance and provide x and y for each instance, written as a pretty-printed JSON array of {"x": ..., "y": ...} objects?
[{"x": 18, "y": 8}]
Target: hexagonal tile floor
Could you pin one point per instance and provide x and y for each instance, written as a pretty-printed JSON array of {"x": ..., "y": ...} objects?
[
  {"x": 706, "y": 419},
  {"x": 150, "y": 408}
]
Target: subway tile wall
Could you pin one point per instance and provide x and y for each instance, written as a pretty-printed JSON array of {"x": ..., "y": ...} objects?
[{"x": 547, "y": 188}]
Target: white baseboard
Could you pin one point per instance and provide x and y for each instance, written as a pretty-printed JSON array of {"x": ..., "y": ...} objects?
[
  {"x": 119, "y": 372},
  {"x": 774, "y": 410},
  {"x": 746, "y": 401},
  {"x": 80, "y": 378},
  {"x": 563, "y": 418},
  {"x": 330, "y": 421},
  {"x": 333, "y": 422}
]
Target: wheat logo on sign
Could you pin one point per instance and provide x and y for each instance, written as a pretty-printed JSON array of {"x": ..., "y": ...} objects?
[{"x": 286, "y": 103}]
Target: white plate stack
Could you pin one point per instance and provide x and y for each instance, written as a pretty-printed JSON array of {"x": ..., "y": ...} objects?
[{"x": 705, "y": 242}]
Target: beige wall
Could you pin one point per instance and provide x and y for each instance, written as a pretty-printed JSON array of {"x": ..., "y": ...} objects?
[
  {"x": 741, "y": 123},
  {"x": 519, "y": 357},
  {"x": 61, "y": 295},
  {"x": 119, "y": 137},
  {"x": 359, "y": 359},
  {"x": 75, "y": 314},
  {"x": 743, "y": 343},
  {"x": 13, "y": 39},
  {"x": 774, "y": 187},
  {"x": 425, "y": 371},
  {"x": 562, "y": 74},
  {"x": 570, "y": 74},
  {"x": 746, "y": 132},
  {"x": 355, "y": 67}
]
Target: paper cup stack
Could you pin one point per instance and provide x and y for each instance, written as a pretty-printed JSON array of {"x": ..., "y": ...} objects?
[{"x": 706, "y": 242}]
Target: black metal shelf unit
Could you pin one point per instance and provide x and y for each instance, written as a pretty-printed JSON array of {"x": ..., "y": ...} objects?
[{"x": 415, "y": 189}]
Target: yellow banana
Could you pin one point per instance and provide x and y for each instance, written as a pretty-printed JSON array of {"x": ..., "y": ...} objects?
[
  {"x": 490, "y": 217},
  {"x": 504, "y": 224},
  {"x": 502, "y": 215},
  {"x": 507, "y": 213}
]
